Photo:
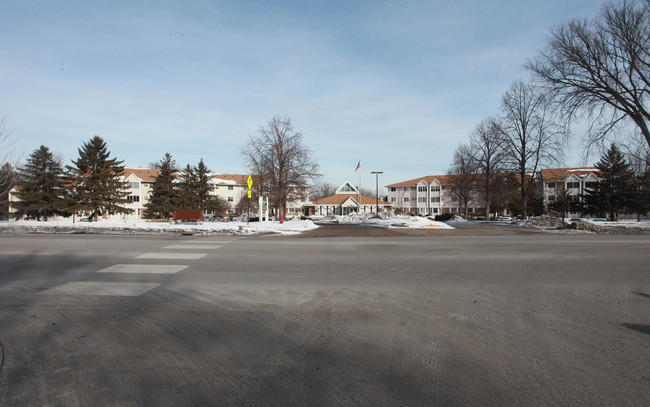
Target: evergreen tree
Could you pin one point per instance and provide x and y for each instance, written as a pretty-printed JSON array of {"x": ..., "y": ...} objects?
[
  {"x": 203, "y": 186},
  {"x": 614, "y": 191},
  {"x": 97, "y": 178},
  {"x": 206, "y": 201},
  {"x": 639, "y": 203},
  {"x": 41, "y": 190},
  {"x": 188, "y": 190},
  {"x": 194, "y": 189},
  {"x": 165, "y": 195}
]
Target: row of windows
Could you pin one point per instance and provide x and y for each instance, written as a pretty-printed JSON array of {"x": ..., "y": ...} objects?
[
  {"x": 136, "y": 198},
  {"x": 573, "y": 198},
  {"x": 420, "y": 199},
  {"x": 574, "y": 185},
  {"x": 136, "y": 185},
  {"x": 434, "y": 188}
]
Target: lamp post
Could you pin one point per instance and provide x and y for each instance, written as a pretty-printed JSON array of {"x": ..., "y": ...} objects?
[{"x": 377, "y": 188}]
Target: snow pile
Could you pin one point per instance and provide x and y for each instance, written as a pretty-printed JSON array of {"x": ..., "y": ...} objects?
[
  {"x": 146, "y": 227},
  {"x": 544, "y": 222},
  {"x": 389, "y": 221},
  {"x": 613, "y": 228},
  {"x": 457, "y": 218}
]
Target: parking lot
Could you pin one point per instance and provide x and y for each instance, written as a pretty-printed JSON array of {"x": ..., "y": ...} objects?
[{"x": 468, "y": 318}]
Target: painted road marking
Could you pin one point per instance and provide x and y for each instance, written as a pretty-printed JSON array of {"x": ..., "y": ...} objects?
[
  {"x": 204, "y": 241},
  {"x": 192, "y": 246},
  {"x": 24, "y": 254},
  {"x": 101, "y": 288},
  {"x": 172, "y": 256},
  {"x": 143, "y": 269}
]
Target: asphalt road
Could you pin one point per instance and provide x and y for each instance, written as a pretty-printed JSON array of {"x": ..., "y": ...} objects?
[{"x": 471, "y": 319}]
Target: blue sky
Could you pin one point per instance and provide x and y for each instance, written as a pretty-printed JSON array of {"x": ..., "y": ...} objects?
[{"x": 395, "y": 84}]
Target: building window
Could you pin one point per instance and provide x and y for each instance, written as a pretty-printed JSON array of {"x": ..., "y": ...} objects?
[
  {"x": 231, "y": 199},
  {"x": 551, "y": 185},
  {"x": 133, "y": 198},
  {"x": 454, "y": 210},
  {"x": 393, "y": 189},
  {"x": 551, "y": 198},
  {"x": 591, "y": 185},
  {"x": 470, "y": 210},
  {"x": 435, "y": 188},
  {"x": 435, "y": 199},
  {"x": 435, "y": 210},
  {"x": 574, "y": 198},
  {"x": 393, "y": 199},
  {"x": 230, "y": 187},
  {"x": 572, "y": 185},
  {"x": 406, "y": 199},
  {"x": 422, "y": 199},
  {"x": 406, "y": 189},
  {"x": 422, "y": 189}
]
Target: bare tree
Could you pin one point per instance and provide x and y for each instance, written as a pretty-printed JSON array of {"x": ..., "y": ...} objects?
[
  {"x": 530, "y": 137},
  {"x": 7, "y": 159},
  {"x": 463, "y": 180},
  {"x": 488, "y": 156},
  {"x": 601, "y": 68},
  {"x": 281, "y": 161},
  {"x": 321, "y": 190}
]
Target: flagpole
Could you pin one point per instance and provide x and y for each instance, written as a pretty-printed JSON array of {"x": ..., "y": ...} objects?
[{"x": 359, "y": 188}]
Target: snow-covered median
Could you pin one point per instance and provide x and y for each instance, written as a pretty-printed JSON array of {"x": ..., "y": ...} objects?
[
  {"x": 152, "y": 227},
  {"x": 390, "y": 221}
]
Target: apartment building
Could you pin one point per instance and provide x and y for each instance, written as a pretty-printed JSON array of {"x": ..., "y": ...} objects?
[
  {"x": 231, "y": 188},
  {"x": 575, "y": 181},
  {"x": 430, "y": 195}
]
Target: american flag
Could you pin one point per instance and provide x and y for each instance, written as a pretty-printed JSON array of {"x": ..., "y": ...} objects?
[{"x": 358, "y": 166}]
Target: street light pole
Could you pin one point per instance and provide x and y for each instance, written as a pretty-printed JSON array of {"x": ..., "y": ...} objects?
[{"x": 377, "y": 188}]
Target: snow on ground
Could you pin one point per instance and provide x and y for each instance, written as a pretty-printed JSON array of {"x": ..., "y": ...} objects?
[
  {"x": 390, "y": 221},
  {"x": 139, "y": 226}
]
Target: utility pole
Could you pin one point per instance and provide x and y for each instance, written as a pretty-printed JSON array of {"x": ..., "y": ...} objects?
[{"x": 377, "y": 188}]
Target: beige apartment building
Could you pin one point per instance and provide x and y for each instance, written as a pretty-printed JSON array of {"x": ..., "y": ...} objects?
[{"x": 431, "y": 195}]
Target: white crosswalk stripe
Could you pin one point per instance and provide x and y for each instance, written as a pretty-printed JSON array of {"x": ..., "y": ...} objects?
[
  {"x": 135, "y": 288},
  {"x": 101, "y": 288},
  {"x": 172, "y": 256},
  {"x": 144, "y": 269},
  {"x": 185, "y": 246}
]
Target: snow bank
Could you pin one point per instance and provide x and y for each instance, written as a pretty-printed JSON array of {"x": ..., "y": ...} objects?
[
  {"x": 387, "y": 221},
  {"x": 152, "y": 227}
]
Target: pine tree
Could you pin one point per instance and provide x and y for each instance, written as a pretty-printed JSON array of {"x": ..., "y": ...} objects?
[
  {"x": 165, "y": 195},
  {"x": 613, "y": 193},
  {"x": 206, "y": 201},
  {"x": 188, "y": 190},
  {"x": 41, "y": 190},
  {"x": 640, "y": 200},
  {"x": 203, "y": 186},
  {"x": 97, "y": 178}
]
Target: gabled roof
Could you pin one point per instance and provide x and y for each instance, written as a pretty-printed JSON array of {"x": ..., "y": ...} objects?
[
  {"x": 560, "y": 174},
  {"x": 230, "y": 179},
  {"x": 346, "y": 189},
  {"x": 429, "y": 179},
  {"x": 339, "y": 199},
  {"x": 145, "y": 174}
]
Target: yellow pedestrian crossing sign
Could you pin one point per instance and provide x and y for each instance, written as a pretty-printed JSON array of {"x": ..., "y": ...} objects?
[{"x": 250, "y": 183}]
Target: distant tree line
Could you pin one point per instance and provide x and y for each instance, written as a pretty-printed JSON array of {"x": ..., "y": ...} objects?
[{"x": 596, "y": 70}]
